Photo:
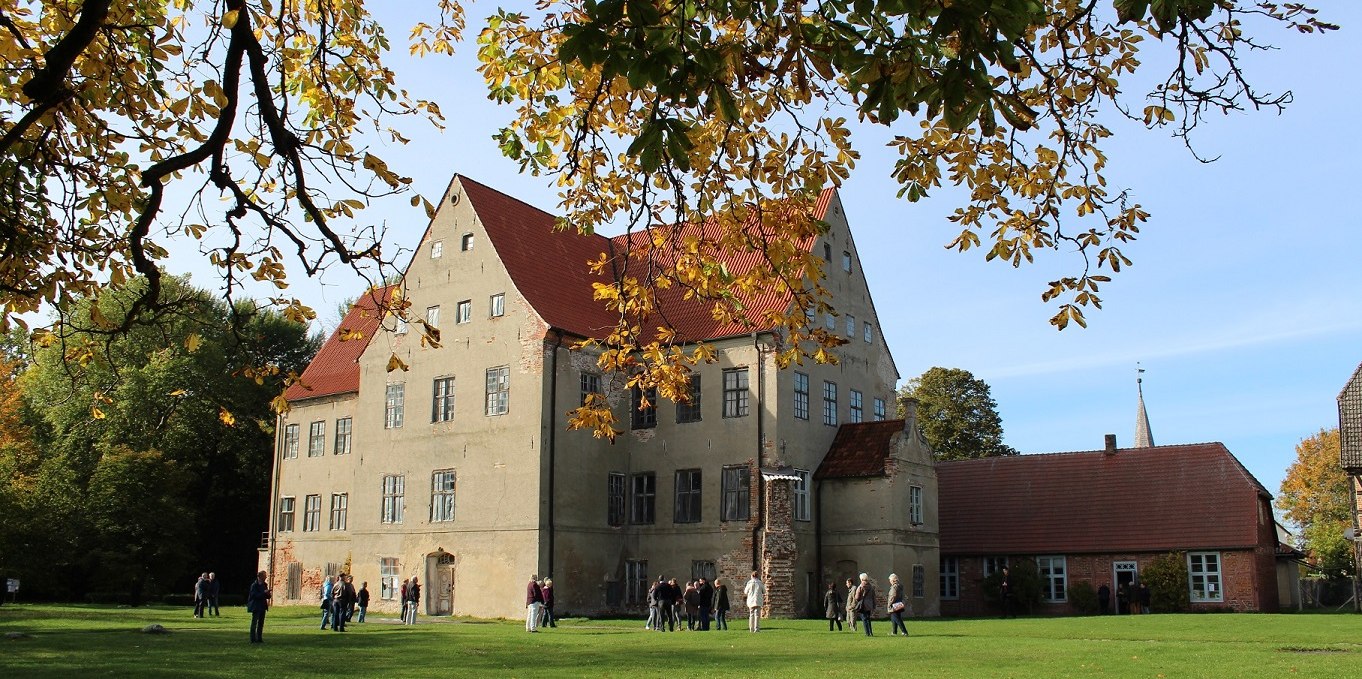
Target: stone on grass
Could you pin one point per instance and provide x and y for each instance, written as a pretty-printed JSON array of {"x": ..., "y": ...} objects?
[
  {"x": 17, "y": 635},
  {"x": 155, "y": 629}
]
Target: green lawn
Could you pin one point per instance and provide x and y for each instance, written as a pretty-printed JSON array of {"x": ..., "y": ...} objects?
[{"x": 73, "y": 641}]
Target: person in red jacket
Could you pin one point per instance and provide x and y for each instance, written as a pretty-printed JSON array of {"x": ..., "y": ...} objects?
[{"x": 534, "y": 601}]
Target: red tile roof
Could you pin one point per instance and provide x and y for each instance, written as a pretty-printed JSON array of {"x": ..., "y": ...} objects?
[
  {"x": 550, "y": 269},
  {"x": 1195, "y": 496},
  {"x": 859, "y": 450},
  {"x": 335, "y": 368}
]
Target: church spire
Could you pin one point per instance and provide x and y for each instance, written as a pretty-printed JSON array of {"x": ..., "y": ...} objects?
[{"x": 1143, "y": 437}]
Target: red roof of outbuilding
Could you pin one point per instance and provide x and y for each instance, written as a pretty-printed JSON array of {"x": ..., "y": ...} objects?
[
  {"x": 1195, "y": 496},
  {"x": 335, "y": 368},
  {"x": 859, "y": 450}
]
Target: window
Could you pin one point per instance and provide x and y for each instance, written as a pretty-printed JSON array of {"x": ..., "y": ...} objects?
[
  {"x": 442, "y": 400},
  {"x": 737, "y": 492},
  {"x": 312, "y": 513},
  {"x": 497, "y": 305},
  {"x": 437, "y": 248},
  {"x": 340, "y": 506},
  {"x": 635, "y": 581},
  {"x": 919, "y": 581},
  {"x": 801, "y": 395},
  {"x": 1203, "y": 576},
  {"x": 464, "y": 312},
  {"x": 687, "y": 496},
  {"x": 642, "y": 493},
  {"x": 831, "y": 321},
  {"x": 291, "y": 441},
  {"x": 643, "y": 406},
  {"x": 342, "y": 446},
  {"x": 433, "y": 316},
  {"x": 802, "y": 511},
  {"x": 1053, "y": 578},
  {"x": 466, "y": 242},
  {"x": 993, "y": 564},
  {"x": 401, "y": 326},
  {"x": 498, "y": 390},
  {"x": 690, "y": 411},
  {"x": 387, "y": 579},
  {"x": 614, "y": 499},
  {"x": 735, "y": 392},
  {"x": 857, "y": 410},
  {"x": 827, "y": 252},
  {"x": 851, "y": 327},
  {"x": 442, "y": 496},
  {"x": 915, "y": 505},
  {"x": 879, "y": 410},
  {"x": 867, "y": 332},
  {"x": 846, "y": 261},
  {"x": 316, "y": 439},
  {"x": 393, "y": 405},
  {"x": 394, "y": 490},
  {"x": 830, "y": 403},
  {"x": 286, "y": 514},
  {"x": 703, "y": 569},
  {"x": 950, "y": 577},
  {"x": 591, "y": 384}
]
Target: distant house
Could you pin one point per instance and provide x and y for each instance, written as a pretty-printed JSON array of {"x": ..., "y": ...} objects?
[
  {"x": 1350, "y": 453},
  {"x": 1101, "y": 516}
]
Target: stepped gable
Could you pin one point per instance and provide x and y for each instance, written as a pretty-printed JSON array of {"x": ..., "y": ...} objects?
[
  {"x": 550, "y": 270},
  {"x": 335, "y": 368},
  {"x": 859, "y": 450},
  {"x": 1160, "y": 498}
]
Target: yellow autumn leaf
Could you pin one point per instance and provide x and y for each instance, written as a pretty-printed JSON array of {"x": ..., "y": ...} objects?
[
  {"x": 395, "y": 363},
  {"x": 177, "y": 392},
  {"x": 193, "y": 342},
  {"x": 226, "y": 417},
  {"x": 229, "y": 18},
  {"x": 96, "y": 413}
]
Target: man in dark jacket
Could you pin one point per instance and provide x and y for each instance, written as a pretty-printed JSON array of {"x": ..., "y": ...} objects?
[
  {"x": 706, "y": 592},
  {"x": 257, "y": 602},
  {"x": 200, "y": 595},
  {"x": 363, "y": 599},
  {"x": 213, "y": 589}
]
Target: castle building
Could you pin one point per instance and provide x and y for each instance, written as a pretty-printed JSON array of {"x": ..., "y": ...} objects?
[{"x": 487, "y": 487}]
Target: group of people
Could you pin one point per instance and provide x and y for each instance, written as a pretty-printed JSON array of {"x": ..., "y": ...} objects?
[
  {"x": 539, "y": 604},
  {"x": 340, "y": 600},
  {"x": 859, "y": 604},
  {"x": 206, "y": 595},
  {"x": 410, "y": 596},
  {"x": 699, "y": 603},
  {"x": 1133, "y": 597}
]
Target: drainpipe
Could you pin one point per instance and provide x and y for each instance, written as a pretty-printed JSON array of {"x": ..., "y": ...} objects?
[
  {"x": 761, "y": 445},
  {"x": 553, "y": 438},
  {"x": 274, "y": 496},
  {"x": 818, "y": 531}
]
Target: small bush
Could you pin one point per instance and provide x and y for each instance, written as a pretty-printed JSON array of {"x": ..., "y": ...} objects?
[
  {"x": 1083, "y": 596},
  {"x": 1166, "y": 577}
]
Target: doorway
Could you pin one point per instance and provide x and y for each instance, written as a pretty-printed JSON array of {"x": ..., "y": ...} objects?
[
  {"x": 440, "y": 579},
  {"x": 1124, "y": 573}
]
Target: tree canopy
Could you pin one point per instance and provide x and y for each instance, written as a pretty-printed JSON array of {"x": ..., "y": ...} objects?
[
  {"x": 646, "y": 113},
  {"x": 1316, "y": 495},
  {"x": 146, "y": 459},
  {"x": 957, "y": 414}
]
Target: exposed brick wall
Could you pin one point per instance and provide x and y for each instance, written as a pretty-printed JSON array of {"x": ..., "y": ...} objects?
[{"x": 779, "y": 551}]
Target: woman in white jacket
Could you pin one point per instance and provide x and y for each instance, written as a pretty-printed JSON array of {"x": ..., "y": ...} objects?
[{"x": 756, "y": 597}]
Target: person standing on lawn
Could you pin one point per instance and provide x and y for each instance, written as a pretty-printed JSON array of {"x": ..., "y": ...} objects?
[
  {"x": 756, "y": 598},
  {"x": 213, "y": 590},
  {"x": 200, "y": 595},
  {"x": 721, "y": 604},
  {"x": 413, "y": 600},
  {"x": 851, "y": 604},
  {"x": 897, "y": 606},
  {"x": 534, "y": 600},
  {"x": 706, "y": 592},
  {"x": 363, "y": 599},
  {"x": 865, "y": 602},
  {"x": 546, "y": 619},
  {"x": 257, "y": 602},
  {"x": 328, "y": 592},
  {"x": 832, "y": 603}
]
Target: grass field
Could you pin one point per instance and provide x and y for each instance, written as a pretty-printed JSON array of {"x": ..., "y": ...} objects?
[{"x": 78, "y": 641}]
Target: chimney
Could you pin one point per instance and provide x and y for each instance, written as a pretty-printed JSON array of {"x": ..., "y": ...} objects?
[
  {"x": 909, "y": 406},
  {"x": 1111, "y": 444}
]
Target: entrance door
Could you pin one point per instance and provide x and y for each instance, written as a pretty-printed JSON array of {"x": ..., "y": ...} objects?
[
  {"x": 440, "y": 579},
  {"x": 1123, "y": 574}
]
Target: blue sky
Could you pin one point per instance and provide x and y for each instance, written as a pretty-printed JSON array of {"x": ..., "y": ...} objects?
[{"x": 1243, "y": 304}]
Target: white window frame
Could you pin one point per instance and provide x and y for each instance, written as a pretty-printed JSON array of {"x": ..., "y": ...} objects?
[
  {"x": 868, "y": 332},
  {"x": 1054, "y": 578},
  {"x": 851, "y": 326},
  {"x": 287, "y": 505},
  {"x": 1205, "y": 581},
  {"x": 950, "y": 577},
  {"x": 291, "y": 435},
  {"x": 394, "y": 405},
  {"x": 388, "y": 571},
  {"x": 344, "y": 436},
  {"x": 498, "y": 391},
  {"x": 401, "y": 328},
  {"x": 800, "y": 496},
  {"x": 312, "y": 513},
  {"x": 437, "y": 248},
  {"x": 442, "y": 399},
  {"x": 433, "y": 316},
  {"x": 463, "y": 313},
  {"x": 316, "y": 439},
  {"x": 846, "y": 261},
  {"x": 443, "y": 488},
  {"x": 915, "y": 505},
  {"x": 340, "y": 510},
  {"x": 878, "y": 412},
  {"x": 496, "y": 305},
  {"x": 394, "y": 498},
  {"x": 801, "y": 395}
]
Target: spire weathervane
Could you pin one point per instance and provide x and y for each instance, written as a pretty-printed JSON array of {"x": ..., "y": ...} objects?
[{"x": 1144, "y": 438}]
